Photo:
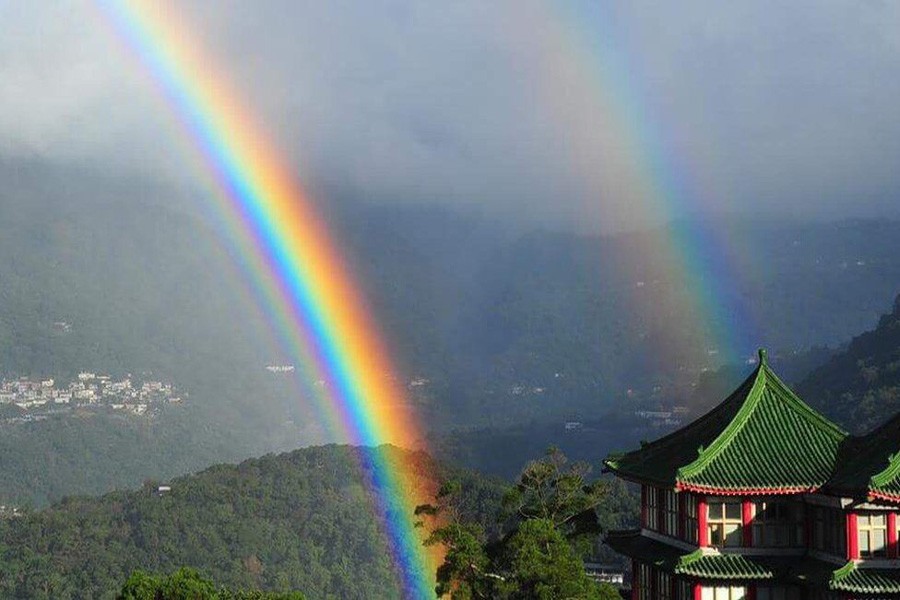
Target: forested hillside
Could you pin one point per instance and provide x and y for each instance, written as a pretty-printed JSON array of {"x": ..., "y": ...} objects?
[
  {"x": 860, "y": 386},
  {"x": 299, "y": 521}
]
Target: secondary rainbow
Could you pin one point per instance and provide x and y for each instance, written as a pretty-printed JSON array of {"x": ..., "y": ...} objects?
[
  {"x": 665, "y": 178},
  {"x": 306, "y": 286}
]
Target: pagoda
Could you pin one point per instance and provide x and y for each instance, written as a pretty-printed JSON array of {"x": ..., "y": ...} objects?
[{"x": 763, "y": 498}]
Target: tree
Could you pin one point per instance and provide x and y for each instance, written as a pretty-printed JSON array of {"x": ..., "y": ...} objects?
[
  {"x": 551, "y": 489},
  {"x": 542, "y": 565},
  {"x": 551, "y": 516},
  {"x": 140, "y": 586},
  {"x": 188, "y": 584},
  {"x": 464, "y": 573}
]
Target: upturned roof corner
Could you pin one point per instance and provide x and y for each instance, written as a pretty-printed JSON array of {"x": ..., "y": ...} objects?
[{"x": 792, "y": 447}]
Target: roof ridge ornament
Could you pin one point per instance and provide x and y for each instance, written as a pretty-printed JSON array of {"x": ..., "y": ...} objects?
[{"x": 763, "y": 356}]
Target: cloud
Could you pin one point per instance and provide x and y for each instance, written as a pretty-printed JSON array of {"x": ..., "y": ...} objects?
[{"x": 504, "y": 106}]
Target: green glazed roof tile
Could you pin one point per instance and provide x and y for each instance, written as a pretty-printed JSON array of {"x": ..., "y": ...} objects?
[
  {"x": 854, "y": 580},
  {"x": 721, "y": 566},
  {"x": 694, "y": 564},
  {"x": 761, "y": 439}
]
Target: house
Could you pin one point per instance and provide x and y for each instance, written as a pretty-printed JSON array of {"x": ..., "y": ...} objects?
[
  {"x": 763, "y": 498},
  {"x": 604, "y": 573}
]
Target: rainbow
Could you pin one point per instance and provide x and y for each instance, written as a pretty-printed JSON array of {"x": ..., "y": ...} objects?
[
  {"x": 587, "y": 57},
  {"x": 305, "y": 284}
]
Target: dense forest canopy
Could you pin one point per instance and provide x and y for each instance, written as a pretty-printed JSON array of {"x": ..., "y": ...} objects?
[
  {"x": 300, "y": 521},
  {"x": 294, "y": 522}
]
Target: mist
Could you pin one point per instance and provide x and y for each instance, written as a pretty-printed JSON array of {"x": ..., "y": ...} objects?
[{"x": 510, "y": 109}]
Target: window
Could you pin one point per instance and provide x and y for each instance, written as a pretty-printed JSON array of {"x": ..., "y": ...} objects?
[
  {"x": 777, "y": 593},
  {"x": 691, "y": 522},
  {"x": 663, "y": 586},
  {"x": 644, "y": 582},
  {"x": 828, "y": 530},
  {"x": 724, "y": 522},
  {"x": 778, "y": 524},
  {"x": 723, "y": 593},
  {"x": 872, "y": 534},
  {"x": 669, "y": 512},
  {"x": 684, "y": 590},
  {"x": 652, "y": 508}
]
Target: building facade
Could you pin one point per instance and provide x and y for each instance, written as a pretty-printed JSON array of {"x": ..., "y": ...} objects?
[{"x": 763, "y": 498}]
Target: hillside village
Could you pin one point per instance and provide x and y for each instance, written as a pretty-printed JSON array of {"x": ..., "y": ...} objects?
[{"x": 37, "y": 399}]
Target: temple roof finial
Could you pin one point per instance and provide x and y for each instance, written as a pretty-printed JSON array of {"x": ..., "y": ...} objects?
[{"x": 763, "y": 356}]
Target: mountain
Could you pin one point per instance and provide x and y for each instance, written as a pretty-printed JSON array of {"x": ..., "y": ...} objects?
[
  {"x": 96, "y": 276},
  {"x": 298, "y": 521},
  {"x": 491, "y": 327},
  {"x": 510, "y": 327},
  {"x": 501, "y": 451},
  {"x": 860, "y": 386}
]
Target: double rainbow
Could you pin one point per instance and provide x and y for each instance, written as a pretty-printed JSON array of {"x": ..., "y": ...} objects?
[{"x": 306, "y": 285}]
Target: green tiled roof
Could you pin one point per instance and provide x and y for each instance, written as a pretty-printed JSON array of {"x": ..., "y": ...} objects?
[
  {"x": 850, "y": 578},
  {"x": 761, "y": 439},
  {"x": 869, "y": 465},
  {"x": 644, "y": 549},
  {"x": 802, "y": 570},
  {"x": 680, "y": 562},
  {"x": 721, "y": 566}
]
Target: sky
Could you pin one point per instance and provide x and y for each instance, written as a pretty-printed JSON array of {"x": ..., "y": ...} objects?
[{"x": 597, "y": 115}]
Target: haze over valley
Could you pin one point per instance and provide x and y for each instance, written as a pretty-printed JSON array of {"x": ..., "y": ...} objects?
[{"x": 493, "y": 326}]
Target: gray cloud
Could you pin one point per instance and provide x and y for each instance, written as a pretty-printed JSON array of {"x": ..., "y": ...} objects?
[{"x": 504, "y": 106}]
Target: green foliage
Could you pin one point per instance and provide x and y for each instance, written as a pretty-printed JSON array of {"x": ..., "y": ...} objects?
[
  {"x": 541, "y": 565},
  {"x": 559, "y": 493},
  {"x": 140, "y": 586},
  {"x": 552, "y": 512},
  {"x": 89, "y": 452},
  {"x": 187, "y": 584},
  {"x": 298, "y": 521}
]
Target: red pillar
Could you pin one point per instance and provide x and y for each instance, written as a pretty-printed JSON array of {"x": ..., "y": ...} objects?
[
  {"x": 892, "y": 535},
  {"x": 746, "y": 522},
  {"x": 702, "y": 515},
  {"x": 698, "y": 591},
  {"x": 852, "y": 539}
]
